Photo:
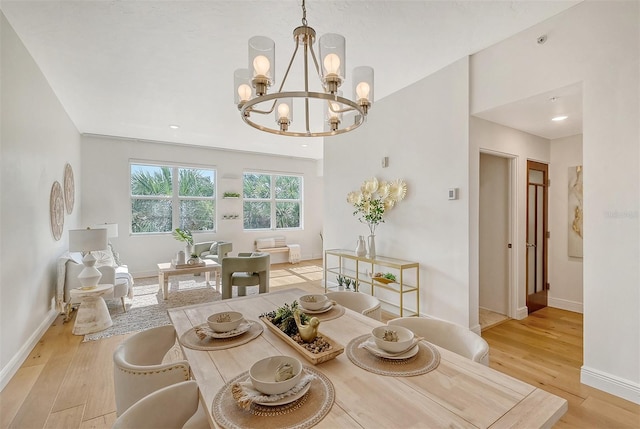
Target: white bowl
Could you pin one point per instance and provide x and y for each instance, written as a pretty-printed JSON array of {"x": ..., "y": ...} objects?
[
  {"x": 405, "y": 337},
  {"x": 263, "y": 374},
  {"x": 225, "y": 321},
  {"x": 313, "y": 302}
]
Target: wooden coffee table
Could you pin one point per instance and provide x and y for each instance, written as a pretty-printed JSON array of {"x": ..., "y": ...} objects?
[{"x": 167, "y": 269}]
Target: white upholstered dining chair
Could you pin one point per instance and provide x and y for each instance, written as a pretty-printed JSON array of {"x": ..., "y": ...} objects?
[
  {"x": 175, "y": 406},
  {"x": 447, "y": 335},
  {"x": 138, "y": 367},
  {"x": 360, "y": 302}
]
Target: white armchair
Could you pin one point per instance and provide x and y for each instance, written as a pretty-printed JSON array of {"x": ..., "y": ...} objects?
[
  {"x": 138, "y": 367},
  {"x": 69, "y": 267},
  {"x": 447, "y": 335},
  {"x": 360, "y": 302},
  {"x": 174, "y": 406}
]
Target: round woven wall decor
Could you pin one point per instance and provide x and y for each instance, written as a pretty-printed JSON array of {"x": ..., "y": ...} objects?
[
  {"x": 69, "y": 188},
  {"x": 56, "y": 210}
]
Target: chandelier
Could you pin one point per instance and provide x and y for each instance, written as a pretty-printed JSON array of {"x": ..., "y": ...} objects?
[{"x": 256, "y": 105}]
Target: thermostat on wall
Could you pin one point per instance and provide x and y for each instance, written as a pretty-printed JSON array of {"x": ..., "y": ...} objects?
[{"x": 453, "y": 193}]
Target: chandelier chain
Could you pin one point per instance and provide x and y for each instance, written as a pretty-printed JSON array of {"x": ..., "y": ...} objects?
[{"x": 304, "y": 14}]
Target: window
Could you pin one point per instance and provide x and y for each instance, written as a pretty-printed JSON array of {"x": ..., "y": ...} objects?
[
  {"x": 272, "y": 201},
  {"x": 160, "y": 203}
]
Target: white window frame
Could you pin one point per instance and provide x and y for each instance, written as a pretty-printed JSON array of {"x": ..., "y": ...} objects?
[
  {"x": 273, "y": 200},
  {"x": 175, "y": 198}
]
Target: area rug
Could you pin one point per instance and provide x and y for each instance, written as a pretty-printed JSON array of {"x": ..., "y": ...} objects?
[{"x": 148, "y": 309}]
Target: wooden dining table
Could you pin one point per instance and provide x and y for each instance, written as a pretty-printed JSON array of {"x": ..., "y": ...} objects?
[{"x": 458, "y": 393}]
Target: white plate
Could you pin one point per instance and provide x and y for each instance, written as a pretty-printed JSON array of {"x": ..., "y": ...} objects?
[
  {"x": 241, "y": 329},
  {"x": 374, "y": 350},
  {"x": 322, "y": 310},
  {"x": 288, "y": 399}
]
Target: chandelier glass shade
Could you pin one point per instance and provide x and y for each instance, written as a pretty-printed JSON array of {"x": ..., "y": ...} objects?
[{"x": 257, "y": 105}]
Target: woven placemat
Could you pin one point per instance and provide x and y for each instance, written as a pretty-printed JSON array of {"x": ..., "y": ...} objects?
[
  {"x": 299, "y": 414},
  {"x": 191, "y": 340},
  {"x": 427, "y": 359},
  {"x": 336, "y": 311}
]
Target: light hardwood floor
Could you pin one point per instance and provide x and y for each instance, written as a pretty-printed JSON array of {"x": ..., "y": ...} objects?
[{"x": 68, "y": 384}]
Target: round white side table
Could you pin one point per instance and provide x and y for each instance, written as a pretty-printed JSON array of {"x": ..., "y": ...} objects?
[{"x": 93, "y": 314}]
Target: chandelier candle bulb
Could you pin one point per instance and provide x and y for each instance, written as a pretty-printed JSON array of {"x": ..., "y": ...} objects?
[
  {"x": 242, "y": 84},
  {"x": 363, "y": 91},
  {"x": 284, "y": 113},
  {"x": 262, "y": 61}
]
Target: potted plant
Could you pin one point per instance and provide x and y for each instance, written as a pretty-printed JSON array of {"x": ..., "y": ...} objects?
[
  {"x": 340, "y": 280},
  {"x": 186, "y": 236}
]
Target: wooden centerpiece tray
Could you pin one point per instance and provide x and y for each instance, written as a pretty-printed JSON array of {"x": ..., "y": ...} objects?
[
  {"x": 314, "y": 358},
  {"x": 195, "y": 265}
]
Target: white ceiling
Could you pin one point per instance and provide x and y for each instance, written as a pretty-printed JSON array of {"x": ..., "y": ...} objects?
[
  {"x": 534, "y": 115},
  {"x": 132, "y": 68}
]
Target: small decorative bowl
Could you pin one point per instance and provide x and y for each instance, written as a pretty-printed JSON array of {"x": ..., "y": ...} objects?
[
  {"x": 313, "y": 302},
  {"x": 263, "y": 374},
  {"x": 383, "y": 336},
  {"x": 225, "y": 321}
]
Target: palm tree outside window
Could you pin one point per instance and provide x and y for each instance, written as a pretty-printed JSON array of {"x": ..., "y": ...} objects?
[
  {"x": 160, "y": 203},
  {"x": 272, "y": 201}
]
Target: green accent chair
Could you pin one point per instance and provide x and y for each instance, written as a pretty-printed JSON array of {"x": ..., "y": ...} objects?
[{"x": 246, "y": 269}]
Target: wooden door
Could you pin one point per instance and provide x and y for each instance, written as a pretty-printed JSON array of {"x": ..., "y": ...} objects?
[{"x": 537, "y": 235}]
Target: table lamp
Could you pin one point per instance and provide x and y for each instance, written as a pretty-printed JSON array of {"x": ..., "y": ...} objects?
[
  {"x": 112, "y": 232},
  {"x": 86, "y": 240}
]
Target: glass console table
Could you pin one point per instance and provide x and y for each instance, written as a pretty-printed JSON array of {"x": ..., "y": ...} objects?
[{"x": 360, "y": 270}]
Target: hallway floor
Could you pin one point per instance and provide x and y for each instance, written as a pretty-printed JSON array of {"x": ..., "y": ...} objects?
[{"x": 489, "y": 319}]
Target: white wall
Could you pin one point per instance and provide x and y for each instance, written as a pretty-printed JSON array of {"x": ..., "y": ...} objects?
[
  {"x": 494, "y": 233},
  {"x": 565, "y": 272},
  {"x": 106, "y": 191},
  {"x": 504, "y": 141},
  {"x": 597, "y": 43},
  {"x": 38, "y": 139},
  {"x": 423, "y": 130}
]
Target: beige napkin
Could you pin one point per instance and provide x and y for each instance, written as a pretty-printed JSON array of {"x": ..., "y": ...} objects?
[{"x": 245, "y": 394}]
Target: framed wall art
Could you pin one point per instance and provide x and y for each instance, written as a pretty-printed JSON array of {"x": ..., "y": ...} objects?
[{"x": 575, "y": 212}]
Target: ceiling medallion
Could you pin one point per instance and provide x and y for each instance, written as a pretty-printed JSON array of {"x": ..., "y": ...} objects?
[{"x": 256, "y": 104}]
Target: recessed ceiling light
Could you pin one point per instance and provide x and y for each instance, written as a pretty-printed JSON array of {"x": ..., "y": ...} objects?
[
  {"x": 304, "y": 145},
  {"x": 174, "y": 127},
  {"x": 559, "y": 118}
]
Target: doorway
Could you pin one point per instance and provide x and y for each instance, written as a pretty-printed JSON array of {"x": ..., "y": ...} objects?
[
  {"x": 495, "y": 223},
  {"x": 537, "y": 235}
]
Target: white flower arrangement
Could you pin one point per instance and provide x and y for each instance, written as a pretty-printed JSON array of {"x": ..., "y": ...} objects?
[{"x": 374, "y": 199}]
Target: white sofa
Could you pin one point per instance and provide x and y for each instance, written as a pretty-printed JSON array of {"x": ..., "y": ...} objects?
[{"x": 69, "y": 267}]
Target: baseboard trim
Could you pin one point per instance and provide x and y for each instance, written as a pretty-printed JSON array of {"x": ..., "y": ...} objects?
[
  {"x": 18, "y": 359},
  {"x": 611, "y": 384},
  {"x": 477, "y": 329},
  {"x": 565, "y": 304},
  {"x": 522, "y": 312}
]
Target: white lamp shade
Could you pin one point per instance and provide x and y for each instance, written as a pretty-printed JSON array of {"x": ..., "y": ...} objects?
[
  {"x": 86, "y": 240},
  {"x": 112, "y": 229}
]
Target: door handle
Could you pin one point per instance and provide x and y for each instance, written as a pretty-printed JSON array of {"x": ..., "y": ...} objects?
[{"x": 531, "y": 245}]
